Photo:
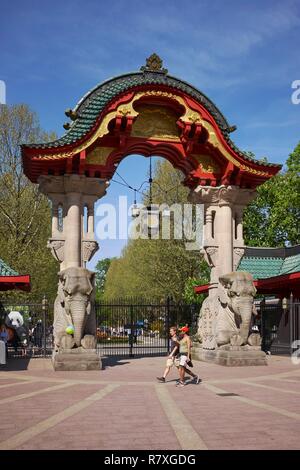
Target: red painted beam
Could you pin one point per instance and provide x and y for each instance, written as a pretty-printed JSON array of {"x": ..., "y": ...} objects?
[
  {"x": 201, "y": 289},
  {"x": 15, "y": 282},
  {"x": 272, "y": 285}
]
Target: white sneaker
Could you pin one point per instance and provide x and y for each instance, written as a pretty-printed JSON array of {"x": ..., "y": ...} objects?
[{"x": 180, "y": 384}]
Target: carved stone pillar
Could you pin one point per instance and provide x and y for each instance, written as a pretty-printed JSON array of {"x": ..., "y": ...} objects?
[
  {"x": 54, "y": 217},
  {"x": 224, "y": 228},
  {"x": 223, "y": 244},
  {"x": 71, "y": 247},
  {"x": 73, "y": 231}
]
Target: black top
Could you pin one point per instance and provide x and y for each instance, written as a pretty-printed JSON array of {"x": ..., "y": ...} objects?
[{"x": 173, "y": 344}]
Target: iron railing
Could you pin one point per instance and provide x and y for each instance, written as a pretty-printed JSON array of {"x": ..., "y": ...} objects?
[
  {"x": 140, "y": 327},
  {"x": 280, "y": 326}
]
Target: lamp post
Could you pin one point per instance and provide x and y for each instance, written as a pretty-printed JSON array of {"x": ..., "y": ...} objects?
[{"x": 44, "y": 309}]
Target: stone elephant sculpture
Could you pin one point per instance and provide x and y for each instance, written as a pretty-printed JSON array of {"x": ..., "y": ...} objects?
[
  {"x": 236, "y": 298},
  {"x": 226, "y": 317},
  {"x": 74, "y": 306}
]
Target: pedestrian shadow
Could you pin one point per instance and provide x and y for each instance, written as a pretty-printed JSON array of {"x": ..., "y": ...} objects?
[{"x": 112, "y": 361}]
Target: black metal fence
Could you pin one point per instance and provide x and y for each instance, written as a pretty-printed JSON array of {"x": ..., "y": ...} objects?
[
  {"x": 125, "y": 327},
  {"x": 280, "y": 326},
  {"x": 140, "y": 327}
]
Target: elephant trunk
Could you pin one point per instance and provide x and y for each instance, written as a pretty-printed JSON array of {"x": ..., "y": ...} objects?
[
  {"x": 78, "y": 314},
  {"x": 245, "y": 308}
]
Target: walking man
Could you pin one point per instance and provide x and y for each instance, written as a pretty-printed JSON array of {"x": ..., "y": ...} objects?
[{"x": 173, "y": 356}]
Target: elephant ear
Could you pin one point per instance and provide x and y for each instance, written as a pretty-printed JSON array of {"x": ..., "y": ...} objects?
[
  {"x": 90, "y": 280},
  {"x": 225, "y": 284},
  {"x": 62, "y": 276}
]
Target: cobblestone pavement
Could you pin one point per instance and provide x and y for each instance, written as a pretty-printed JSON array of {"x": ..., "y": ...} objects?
[{"x": 124, "y": 407}]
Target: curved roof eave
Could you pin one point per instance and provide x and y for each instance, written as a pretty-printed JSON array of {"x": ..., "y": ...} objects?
[
  {"x": 95, "y": 100},
  {"x": 113, "y": 87}
]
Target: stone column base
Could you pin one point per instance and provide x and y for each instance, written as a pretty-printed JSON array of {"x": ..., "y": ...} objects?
[
  {"x": 76, "y": 359},
  {"x": 231, "y": 356}
]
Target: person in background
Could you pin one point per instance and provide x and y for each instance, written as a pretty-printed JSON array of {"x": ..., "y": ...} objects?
[{"x": 3, "y": 346}]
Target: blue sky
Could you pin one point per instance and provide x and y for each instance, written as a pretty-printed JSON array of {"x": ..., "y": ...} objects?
[{"x": 243, "y": 55}]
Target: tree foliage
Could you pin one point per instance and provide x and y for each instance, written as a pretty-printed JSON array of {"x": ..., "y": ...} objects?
[
  {"x": 273, "y": 218},
  {"x": 25, "y": 214},
  {"x": 101, "y": 271}
]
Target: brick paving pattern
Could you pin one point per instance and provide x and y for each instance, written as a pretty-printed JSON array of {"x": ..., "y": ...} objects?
[{"x": 123, "y": 407}]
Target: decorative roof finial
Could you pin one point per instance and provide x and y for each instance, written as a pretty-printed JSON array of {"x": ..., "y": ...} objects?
[
  {"x": 154, "y": 64},
  {"x": 71, "y": 114}
]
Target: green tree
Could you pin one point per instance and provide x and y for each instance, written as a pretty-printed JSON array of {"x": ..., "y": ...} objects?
[
  {"x": 273, "y": 218},
  {"x": 101, "y": 271},
  {"x": 25, "y": 214}
]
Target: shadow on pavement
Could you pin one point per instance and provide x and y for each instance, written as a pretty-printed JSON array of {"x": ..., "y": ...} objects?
[
  {"x": 111, "y": 361},
  {"x": 16, "y": 364}
]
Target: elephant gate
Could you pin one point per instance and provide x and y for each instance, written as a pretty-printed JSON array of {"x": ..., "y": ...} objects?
[{"x": 148, "y": 112}]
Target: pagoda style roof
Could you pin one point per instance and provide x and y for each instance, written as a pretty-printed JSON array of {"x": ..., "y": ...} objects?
[
  {"x": 5, "y": 270},
  {"x": 94, "y": 102},
  {"x": 264, "y": 263},
  {"x": 274, "y": 270},
  {"x": 10, "y": 279},
  {"x": 147, "y": 112}
]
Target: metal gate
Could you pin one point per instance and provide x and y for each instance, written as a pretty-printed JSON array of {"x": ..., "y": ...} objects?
[
  {"x": 125, "y": 327},
  {"x": 139, "y": 327},
  {"x": 280, "y": 326}
]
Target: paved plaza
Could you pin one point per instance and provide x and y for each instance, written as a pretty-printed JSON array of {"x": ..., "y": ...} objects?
[{"x": 123, "y": 407}]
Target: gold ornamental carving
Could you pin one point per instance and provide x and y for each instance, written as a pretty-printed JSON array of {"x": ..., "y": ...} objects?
[
  {"x": 154, "y": 64},
  {"x": 207, "y": 163},
  {"x": 98, "y": 155},
  {"x": 189, "y": 116},
  {"x": 156, "y": 122}
]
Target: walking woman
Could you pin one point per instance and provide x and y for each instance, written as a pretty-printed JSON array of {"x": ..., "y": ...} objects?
[{"x": 185, "y": 346}]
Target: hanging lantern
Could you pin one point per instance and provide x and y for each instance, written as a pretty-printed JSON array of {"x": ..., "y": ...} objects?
[
  {"x": 150, "y": 220},
  {"x": 153, "y": 216},
  {"x": 135, "y": 208},
  {"x": 135, "y": 211}
]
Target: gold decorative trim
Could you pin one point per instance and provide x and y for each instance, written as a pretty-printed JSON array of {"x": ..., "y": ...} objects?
[
  {"x": 189, "y": 116},
  {"x": 215, "y": 142},
  {"x": 156, "y": 122},
  {"x": 207, "y": 163},
  {"x": 99, "y": 155},
  {"x": 123, "y": 110}
]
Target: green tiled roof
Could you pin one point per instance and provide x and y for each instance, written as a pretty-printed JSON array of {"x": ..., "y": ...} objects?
[
  {"x": 263, "y": 263},
  {"x": 94, "y": 102},
  {"x": 290, "y": 265},
  {"x": 5, "y": 270}
]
